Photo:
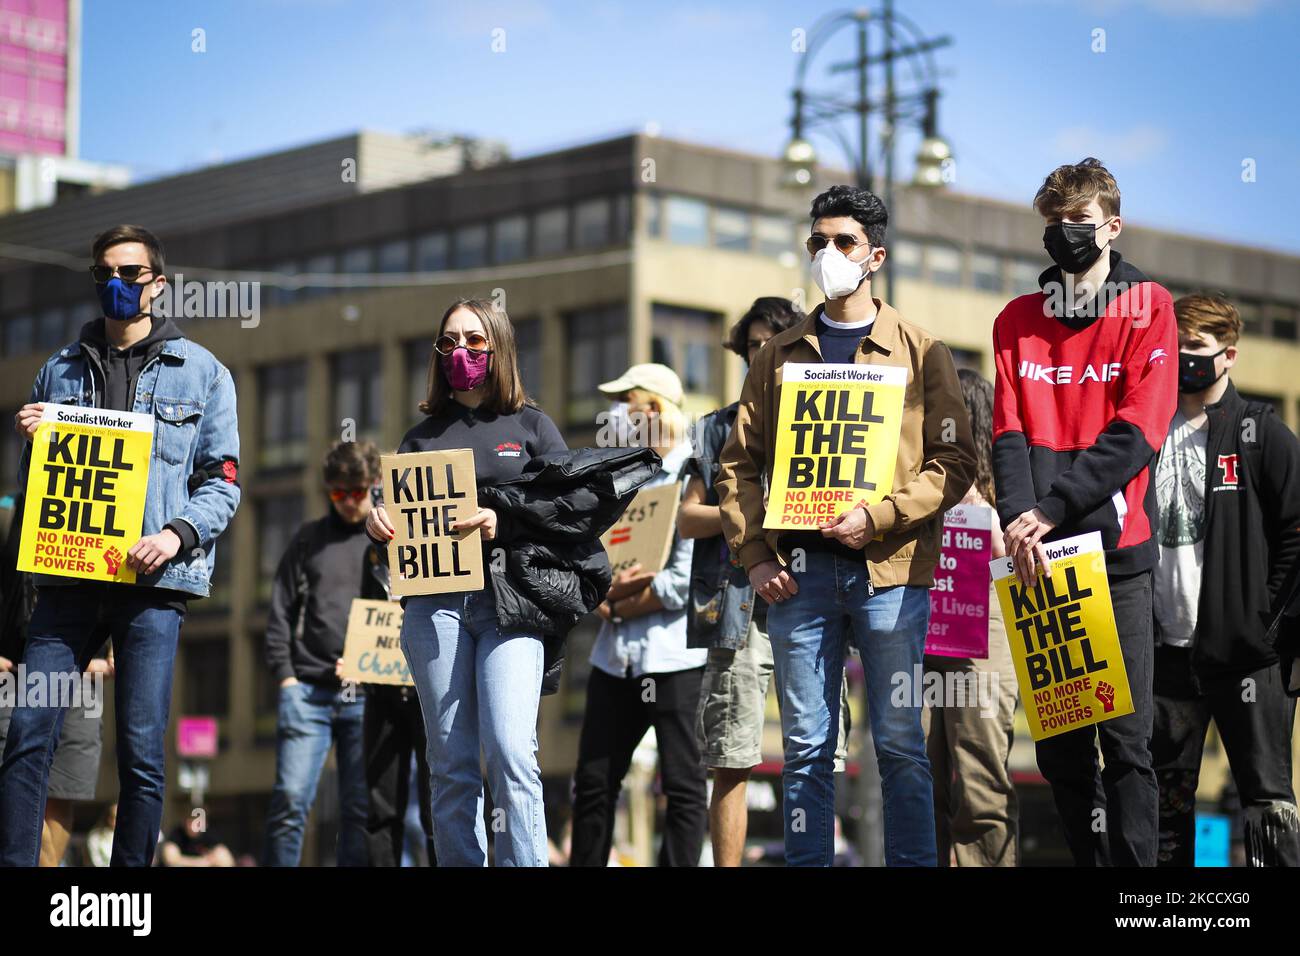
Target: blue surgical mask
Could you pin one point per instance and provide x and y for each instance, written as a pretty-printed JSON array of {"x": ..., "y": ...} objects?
[{"x": 119, "y": 300}]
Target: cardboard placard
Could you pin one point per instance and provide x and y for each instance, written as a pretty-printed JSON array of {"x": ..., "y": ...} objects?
[
  {"x": 372, "y": 651},
  {"x": 85, "y": 492},
  {"x": 1063, "y": 638},
  {"x": 836, "y": 441},
  {"x": 425, "y": 493},
  {"x": 644, "y": 533},
  {"x": 959, "y": 601}
]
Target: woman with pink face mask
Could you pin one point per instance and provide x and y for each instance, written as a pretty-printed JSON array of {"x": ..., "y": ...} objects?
[{"x": 478, "y": 687}]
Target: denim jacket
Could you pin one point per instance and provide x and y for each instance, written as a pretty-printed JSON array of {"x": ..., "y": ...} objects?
[
  {"x": 722, "y": 599},
  {"x": 192, "y": 398}
]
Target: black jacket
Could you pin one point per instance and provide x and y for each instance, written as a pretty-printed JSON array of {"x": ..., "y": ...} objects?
[
  {"x": 1252, "y": 535},
  {"x": 551, "y": 569},
  {"x": 317, "y": 578}
]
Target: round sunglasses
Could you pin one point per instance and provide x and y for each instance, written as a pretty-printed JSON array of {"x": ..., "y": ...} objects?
[{"x": 474, "y": 341}]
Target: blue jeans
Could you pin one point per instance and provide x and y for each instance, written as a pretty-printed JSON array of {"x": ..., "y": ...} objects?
[
  {"x": 808, "y": 632},
  {"x": 65, "y": 632},
  {"x": 478, "y": 688},
  {"x": 311, "y": 717}
]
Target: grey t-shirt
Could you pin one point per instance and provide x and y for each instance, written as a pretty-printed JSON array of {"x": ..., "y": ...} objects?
[{"x": 1180, "y": 494}]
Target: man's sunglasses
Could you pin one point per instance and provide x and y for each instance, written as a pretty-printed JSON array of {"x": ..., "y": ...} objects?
[
  {"x": 843, "y": 242},
  {"x": 356, "y": 494},
  {"x": 474, "y": 341},
  {"x": 128, "y": 273}
]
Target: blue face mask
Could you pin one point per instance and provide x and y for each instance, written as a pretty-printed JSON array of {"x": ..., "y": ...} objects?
[{"x": 119, "y": 300}]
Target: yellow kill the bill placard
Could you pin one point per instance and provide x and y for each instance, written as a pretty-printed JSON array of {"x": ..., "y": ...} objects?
[
  {"x": 1063, "y": 639},
  {"x": 836, "y": 441},
  {"x": 85, "y": 492}
]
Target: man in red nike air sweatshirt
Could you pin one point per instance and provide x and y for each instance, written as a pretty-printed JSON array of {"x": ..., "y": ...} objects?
[{"x": 1086, "y": 386}]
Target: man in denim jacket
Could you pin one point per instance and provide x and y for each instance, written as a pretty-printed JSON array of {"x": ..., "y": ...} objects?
[{"x": 129, "y": 360}]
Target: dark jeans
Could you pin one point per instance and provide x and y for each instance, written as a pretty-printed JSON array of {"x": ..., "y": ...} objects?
[
  {"x": 1254, "y": 721},
  {"x": 618, "y": 715},
  {"x": 394, "y": 730},
  {"x": 63, "y": 636},
  {"x": 1109, "y": 815}
]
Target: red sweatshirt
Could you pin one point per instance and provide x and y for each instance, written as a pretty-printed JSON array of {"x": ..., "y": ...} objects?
[{"x": 1081, "y": 406}]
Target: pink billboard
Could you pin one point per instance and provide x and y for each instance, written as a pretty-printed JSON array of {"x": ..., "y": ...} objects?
[
  {"x": 34, "y": 76},
  {"x": 196, "y": 737}
]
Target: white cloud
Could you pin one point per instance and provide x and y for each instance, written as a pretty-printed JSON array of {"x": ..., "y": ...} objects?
[{"x": 1132, "y": 147}]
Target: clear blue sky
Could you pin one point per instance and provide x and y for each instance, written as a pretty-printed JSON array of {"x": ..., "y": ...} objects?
[{"x": 1185, "y": 90}]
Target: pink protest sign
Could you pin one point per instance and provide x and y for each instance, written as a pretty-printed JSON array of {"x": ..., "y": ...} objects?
[
  {"x": 196, "y": 737},
  {"x": 959, "y": 601}
]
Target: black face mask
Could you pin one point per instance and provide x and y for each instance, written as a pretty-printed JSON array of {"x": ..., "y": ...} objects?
[
  {"x": 1196, "y": 372},
  {"x": 1072, "y": 245}
]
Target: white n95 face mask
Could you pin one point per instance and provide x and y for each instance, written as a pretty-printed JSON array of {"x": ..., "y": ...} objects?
[{"x": 835, "y": 273}]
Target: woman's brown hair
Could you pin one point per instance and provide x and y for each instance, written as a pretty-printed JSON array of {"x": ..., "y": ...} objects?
[
  {"x": 505, "y": 393},
  {"x": 977, "y": 392}
]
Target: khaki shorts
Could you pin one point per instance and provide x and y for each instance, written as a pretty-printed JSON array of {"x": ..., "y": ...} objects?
[{"x": 733, "y": 701}]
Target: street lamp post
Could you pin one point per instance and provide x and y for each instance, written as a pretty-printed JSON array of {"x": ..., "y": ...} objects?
[{"x": 916, "y": 103}]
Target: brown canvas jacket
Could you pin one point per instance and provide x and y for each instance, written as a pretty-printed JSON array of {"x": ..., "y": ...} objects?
[{"x": 936, "y": 454}]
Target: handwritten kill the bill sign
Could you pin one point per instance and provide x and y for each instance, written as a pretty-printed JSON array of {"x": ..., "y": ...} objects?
[
  {"x": 836, "y": 441},
  {"x": 86, "y": 489},
  {"x": 425, "y": 493}
]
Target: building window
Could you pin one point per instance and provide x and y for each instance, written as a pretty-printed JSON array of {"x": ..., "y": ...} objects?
[
  {"x": 597, "y": 353},
  {"x": 265, "y": 697},
  {"x": 687, "y": 221},
  {"x": 1023, "y": 274},
  {"x": 20, "y": 333},
  {"x": 50, "y": 329},
  {"x": 773, "y": 235},
  {"x": 622, "y": 224},
  {"x": 418, "y": 353},
  {"x": 944, "y": 262},
  {"x": 591, "y": 223},
  {"x": 471, "y": 247},
  {"x": 1252, "y": 317},
  {"x": 1284, "y": 322},
  {"x": 219, "y": 592},
  {"x": 986, "y": 271},
  {"x": 284, "y": 414},
  {"x": 359, "y": 392},
  {"x": 281, "y": 292},
  {"x": 653, "y": 215},
  {"x": 317, "y": 265},
  {"x": 432, "y": 253},
  {"x": 528, "y": 345},
  {"x": 510, "y": 239},
  {"x": 357, "y": 261},
  {"x": 688, "y": 342},
  {"x": 731, "y": 229},
  {"x": 395, "y": 256},
  {"x": 76, "y": 319},
  {"x": 207, "y": 677},
  {"x": 904, "y": 257},
  {"x": 278, "y": 518},
  {"x": 551, "y": 231}
]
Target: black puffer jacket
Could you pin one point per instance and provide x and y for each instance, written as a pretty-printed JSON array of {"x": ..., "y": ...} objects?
[{"x": 549, "y": 523}]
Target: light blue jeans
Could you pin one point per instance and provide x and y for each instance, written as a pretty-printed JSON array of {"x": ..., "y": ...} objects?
[
  {"x": 478, "y": 689},
  {"x": 312, "y": 717},
  {"x": 809, "y": 632}
]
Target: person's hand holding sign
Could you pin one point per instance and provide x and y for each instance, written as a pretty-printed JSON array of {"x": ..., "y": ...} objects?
[
  {"x": 28, "y": 417},
  {"x": 772, "y": 582},
  {"x": 378, "y": 526},
  {"x": 853, "y": 528},
  {"x": 1024, "y": 545},
  {"x": 484, "y": 518},
  {"x": 153, "y": 551}
]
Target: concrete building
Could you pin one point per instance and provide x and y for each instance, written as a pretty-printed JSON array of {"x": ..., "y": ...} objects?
[{"x": 628, "y": 250}]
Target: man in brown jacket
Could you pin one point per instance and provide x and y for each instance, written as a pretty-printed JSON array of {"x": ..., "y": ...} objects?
[{"x": 865, "y": 574}]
